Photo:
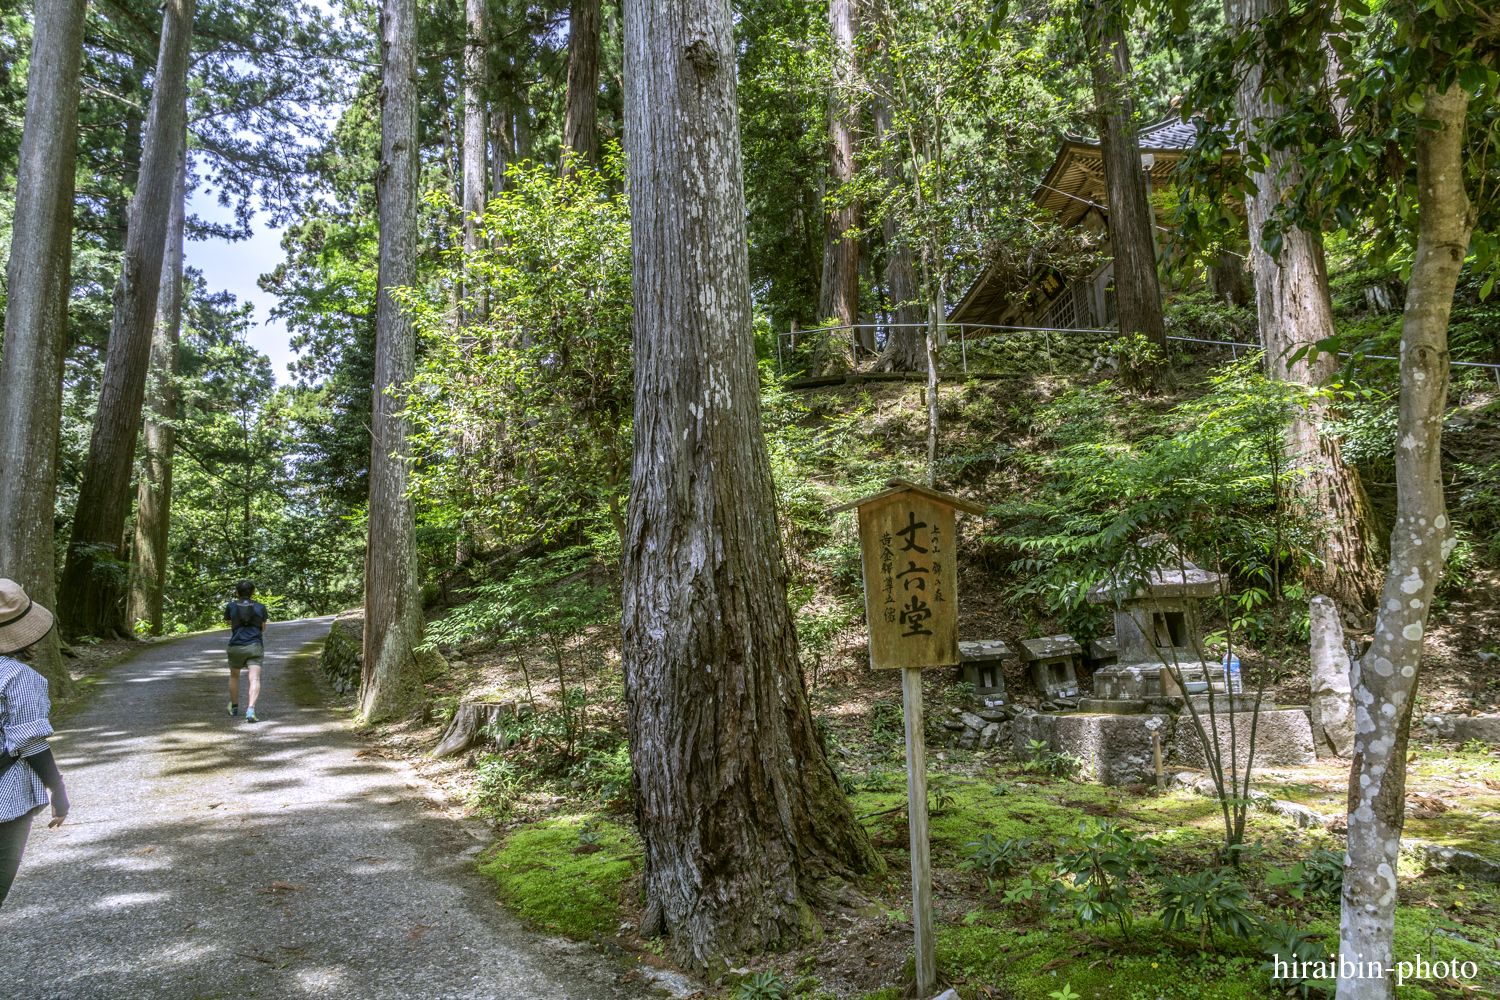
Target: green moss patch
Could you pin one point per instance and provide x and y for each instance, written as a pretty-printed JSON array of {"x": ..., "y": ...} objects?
[
  {"x": 547, "y": 877},
  {"x": 983, "y": 946}
]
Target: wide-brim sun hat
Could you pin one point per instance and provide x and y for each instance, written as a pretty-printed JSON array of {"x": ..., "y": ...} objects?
[{"x": 22, "y": 621}]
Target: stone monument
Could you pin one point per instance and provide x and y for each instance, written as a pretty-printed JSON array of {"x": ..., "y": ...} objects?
[
  {"x": 1054, "y": 665},
  {"x": 982, "y": 664},
  {"x": 1158, "y": 640},
  {"x": 1332, "y": 706}
]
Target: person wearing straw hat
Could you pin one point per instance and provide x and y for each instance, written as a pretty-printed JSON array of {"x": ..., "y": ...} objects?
[
  {"x": 27, "y": 771},
  {"x": 247, "y": 623}
]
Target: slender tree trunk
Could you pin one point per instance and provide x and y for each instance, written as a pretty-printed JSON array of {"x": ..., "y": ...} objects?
[
  {"x": 1227, "y": 276},
  {"x": 476, "y": 185},
  {"x": 153, "y": 498},
  {"x": 1385, "y": 679},
  {"x": 906, "y": 343},
  {"x": 393, "y": 611},
  {"x": 38, "y": 285},
  {"x": 581, "y": 104},
  {"x": 739, "y": 812},
  {"x": 1295, "y": 310},
  {"x": 839, "y": 295},
  {"x": 476, "y": 178},
  {"x": 1132, "y": 234},
  {"x": 94, "y": 579}
]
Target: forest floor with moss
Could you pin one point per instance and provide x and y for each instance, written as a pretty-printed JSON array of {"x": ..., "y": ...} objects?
[{"x": 567, "y": 859}]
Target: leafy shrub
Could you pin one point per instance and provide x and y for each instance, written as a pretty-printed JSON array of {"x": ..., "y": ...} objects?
[
  {"x": 1137, "y": 360},
  {"x": 1323, "y": 874},
  {"x": 886, "y": 721},
  {"x": 496, "y": 784},
  {"x": 1213, "y": 900},
  {"x": 996, "y": 861},
  {"x": 1045, "y": 760},
  {"x": 1028, "y": 895},
  {"x": 1099, "y": 860},
  {"x": 605, "y": 771},
  {"x": 1286, "y": 944},
  {"x": 763, "y": 986}
]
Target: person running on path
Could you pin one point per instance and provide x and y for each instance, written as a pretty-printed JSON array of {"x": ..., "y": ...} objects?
[
  {"x": 247, "y": 623},
  {"x": 27, "y": 770}
]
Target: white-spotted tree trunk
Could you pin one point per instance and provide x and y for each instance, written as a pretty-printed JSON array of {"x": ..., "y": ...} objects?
[
  {"x": 153, "y": 491},
  {"x": 1294, "y": 310},
  {"x": 1385, "y": 678},
  {"x": 393, "y": 611},
  {"x": 38, "y": 284},
  {"x": 89, "y": 599},
  {"x": 741, "y": 817}
]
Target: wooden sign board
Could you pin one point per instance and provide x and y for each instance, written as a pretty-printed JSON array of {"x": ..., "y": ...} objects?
[
  {"x": 909, "y": 551},
  {"x": 908, "y": 548}
]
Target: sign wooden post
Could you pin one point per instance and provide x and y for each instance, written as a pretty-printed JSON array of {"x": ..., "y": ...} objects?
[{"x": 908, "y": 549}]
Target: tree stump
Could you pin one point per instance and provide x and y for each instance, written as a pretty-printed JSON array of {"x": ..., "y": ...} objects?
[{"x": 469, "y": 722}]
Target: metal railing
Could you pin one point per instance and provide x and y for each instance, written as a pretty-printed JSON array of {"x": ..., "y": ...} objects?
[{"x": 1046, "y": 331}]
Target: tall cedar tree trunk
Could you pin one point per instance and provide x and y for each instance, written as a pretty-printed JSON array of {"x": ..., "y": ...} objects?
[
  {"x": 906, "y": 341},
  {"x": 38, "y": 283},
  {"x": 581, "y": 103},
  {"x": 738, "y": 809},
  {"x": 153, "y": 497},
  {"x": 393, "y": 611},
  {"x": 89, "y": 599},
  {"x": 1385, "y": 679},
  {"x": 839, "y": 294},
  {"x": 1294, "y": 310},
  {"x": 476, "y": 178},
  {"x": 476, "y": 188},
  {"x": 1132, "y": 239}
]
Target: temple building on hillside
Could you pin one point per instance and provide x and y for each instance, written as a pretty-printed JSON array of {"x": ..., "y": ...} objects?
[{"x": 1073, "y": 193}]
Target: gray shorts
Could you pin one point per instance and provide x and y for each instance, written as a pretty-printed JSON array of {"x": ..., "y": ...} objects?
[{"x": 243, "y": 656}]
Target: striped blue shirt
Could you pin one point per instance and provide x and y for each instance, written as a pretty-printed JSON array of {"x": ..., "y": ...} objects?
[{"x": 23, "y": 731}]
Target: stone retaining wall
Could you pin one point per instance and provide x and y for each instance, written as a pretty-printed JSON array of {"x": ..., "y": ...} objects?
[{"x": 343, "y": 652}]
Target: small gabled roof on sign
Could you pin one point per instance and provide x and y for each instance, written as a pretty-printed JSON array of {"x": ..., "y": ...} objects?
[{"x": 895, "y": 486}]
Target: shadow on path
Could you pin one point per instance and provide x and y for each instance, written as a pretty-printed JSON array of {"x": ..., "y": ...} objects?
[{"x": 206, "y": 857}]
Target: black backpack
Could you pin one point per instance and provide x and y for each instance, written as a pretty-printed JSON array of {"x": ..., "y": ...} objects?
[{"x": 234, "y": 617}]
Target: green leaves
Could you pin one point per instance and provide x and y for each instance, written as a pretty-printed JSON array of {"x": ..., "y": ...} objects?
[
  {"x": 521, "y": 416},
  {"x": 997, "y": 861},
  {"x": 1211, "y": 900}
]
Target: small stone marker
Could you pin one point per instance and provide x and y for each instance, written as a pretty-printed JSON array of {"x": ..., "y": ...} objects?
[
  {"x": 909, "y": 551},
  {"x": 983, "y": 665},
  {"x": 1054, "y": 664},
  {"x": 1332, "y": 704}
]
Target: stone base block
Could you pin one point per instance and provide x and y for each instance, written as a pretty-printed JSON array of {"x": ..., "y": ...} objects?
[
  {"x": 1112, "y": 706},
  {"x": 1115, "y": 749},
  {"x": 1464, "y": 727},
  {"x": 1283, "y": 738}
]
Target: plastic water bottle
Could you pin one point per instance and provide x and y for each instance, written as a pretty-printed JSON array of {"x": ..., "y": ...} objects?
[{"x": 1232, "y": 674}]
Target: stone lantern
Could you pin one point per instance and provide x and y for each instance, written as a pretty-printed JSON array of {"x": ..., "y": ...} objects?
[
  {"x": 1054, "y": 665},
  {"x": 983, "y": 665},
  {"x": 1157, "y": 626}
]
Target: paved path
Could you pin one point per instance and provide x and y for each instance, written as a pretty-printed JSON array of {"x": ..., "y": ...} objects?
[{"x": 209, "y": 858}]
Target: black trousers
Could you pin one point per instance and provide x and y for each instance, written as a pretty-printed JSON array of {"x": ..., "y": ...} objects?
[{"x": 13, "y": 834}]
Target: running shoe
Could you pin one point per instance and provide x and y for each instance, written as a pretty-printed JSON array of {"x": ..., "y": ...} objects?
[
  {"x": 233, "y": 709},
  {"x": 250, "y": 714}
]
